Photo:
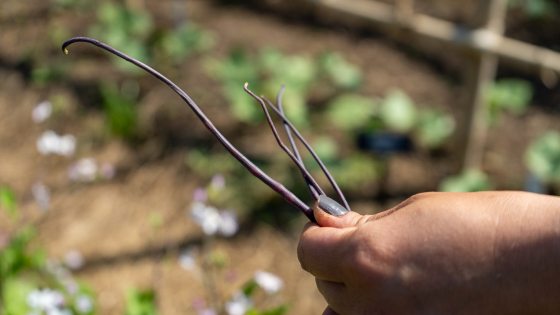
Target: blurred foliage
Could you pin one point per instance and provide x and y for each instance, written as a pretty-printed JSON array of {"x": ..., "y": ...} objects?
[
  {"x": 251, "y": 291},
  {"x": 434, "y": 128},
  {"x": 140, "y": 302},
  {"x": 15, "y": 256},
  {"x": 269, "y": 70},
  {"x": 135, "y": 32},
  {"x": 120, "y": 108},
  {"x": 509, "y": 95},
  {"x": 537, "y": 8},
  {"x": 342, "y": 73},
  {"x": 30, "y": 285},
  {"x": 543, "y": 157},
  {"x": 185, "y": 40},
  {"x": 8, "y": 201},
  {"x": 468, "y": 181},
  {"x": 396, "y": 112},
  {"x": 126, "y": 29},
  {"x": 351, "y": 112}
]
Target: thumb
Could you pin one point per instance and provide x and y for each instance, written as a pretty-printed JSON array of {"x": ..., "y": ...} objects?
[{"x": 330, "y": 213}]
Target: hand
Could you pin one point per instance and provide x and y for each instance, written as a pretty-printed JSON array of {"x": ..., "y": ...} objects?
[{"x": 440, "y": 253}]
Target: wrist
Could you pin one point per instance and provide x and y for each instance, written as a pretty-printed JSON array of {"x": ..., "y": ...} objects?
[{"x": 527, "y": 254}]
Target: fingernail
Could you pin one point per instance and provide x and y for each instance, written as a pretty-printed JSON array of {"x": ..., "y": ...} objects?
[{"x": 331, "y": 207}]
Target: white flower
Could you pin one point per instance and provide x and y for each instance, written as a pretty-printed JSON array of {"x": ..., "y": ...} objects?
[
  {"x": 51, "y": 143},
  {"x": 84, "y": 170},
  {"x": 187, "y": 259},
  {"x": 213, "y": 221},
  {"x": 84, "y": 304},
  {"x": 207, "y": 311},
  {"x": 41, "y": 112},
  {"x": 207, "y": 217},
  {"x": 73, "y": 259},
  {"x": 238, "y": 305},
  {"x": 41, "y": 195},
  {"x": 228, "y": 223},
  {"x": 45, "y": 299},
  {"x": 269, "y": 282},
  {"x": 59, "y": 311}
]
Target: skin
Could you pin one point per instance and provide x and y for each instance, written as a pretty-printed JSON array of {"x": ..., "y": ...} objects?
[{"x": 440, "y": 253}]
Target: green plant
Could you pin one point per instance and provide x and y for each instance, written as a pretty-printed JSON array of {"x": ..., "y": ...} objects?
[
  {"x": 433, "y": 128},
  {"x": 184, "y": 40},
  {"x": 536, "y": 8},
  {"x": 125, "y": 28},
  {"x": 140, "y": 302},
  {"x": 233, "y": 72},
  {"x": 342, "y": 73},
  {"x": 28, "y": 285},
  {"x": 121, "y": 114},
  {"x": 468, "y": 181},
  {"x": 351, "y": 112},
  {"x": 270, "y": 69},
  {"x": 509, "y": 95},
  {"x": 397, "y": 111},
  {"x": 543, "y": 157},
  {"x": 8, "y": 201}
]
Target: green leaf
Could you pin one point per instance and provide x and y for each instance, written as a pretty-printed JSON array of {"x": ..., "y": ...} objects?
[
  {"x": 279, "y": 310},
  {"x": 340, "y": 71},
  {"x": 15, "y": 292},
  {"x": 8, "y": 201},
  {"x": 250, "y": 288},
  {"x": 356, "y": 170},
  {"x": 243, "y": 106},
  {"x": 326, "y": 148},
  {"x": 120, "y": 112},
  {"x": 351, "y": 112},
  {"x": 16, "y": 257},
  {"x": 434, "y": 128},
  {"x": 185, "y": 40},
  {"x": 510, "y": 95},
  {"x": 468, "y": 181},
  {"x": 398, "y": 112},
  {"x": 543, "y": 157},
  {"x": 140, "y": 302}
]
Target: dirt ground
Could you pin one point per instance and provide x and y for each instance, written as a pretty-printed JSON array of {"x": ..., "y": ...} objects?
[{"x": 108, "y": 222}]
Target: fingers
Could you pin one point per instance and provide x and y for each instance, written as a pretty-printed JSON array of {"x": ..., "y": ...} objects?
[
  {"x": 335, "y": 294},
  {"x": 329, "y": 311},
  {"x": 322, "y": 251},
  {"x": 349, "y": 219}
]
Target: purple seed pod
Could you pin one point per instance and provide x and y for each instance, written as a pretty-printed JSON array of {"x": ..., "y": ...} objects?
[{"x": 315, "y": 191}]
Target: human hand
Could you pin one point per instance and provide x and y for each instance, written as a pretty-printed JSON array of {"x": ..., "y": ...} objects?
[{"x": 440, "y": 253}]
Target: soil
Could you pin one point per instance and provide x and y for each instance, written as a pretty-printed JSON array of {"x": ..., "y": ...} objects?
[{"x": 109, "y": 222}]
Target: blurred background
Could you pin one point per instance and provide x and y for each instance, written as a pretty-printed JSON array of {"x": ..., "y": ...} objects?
[{"x": 114, "y": 198}]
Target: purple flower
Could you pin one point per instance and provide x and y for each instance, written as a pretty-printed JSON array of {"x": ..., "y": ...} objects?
[
  {"x": 74, "y": 259},
  {"x": 200, "y": 195},
  {"x": 41, "y": 195},
  {"x": 218, "y": 182},
  {"x": 41, "y": 112},
  {"x": 107, "y": 171},
  {"x": 84, "y": 170}
]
